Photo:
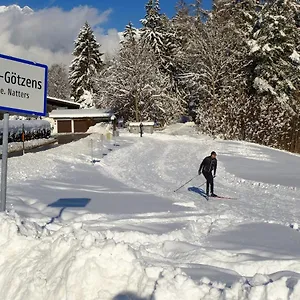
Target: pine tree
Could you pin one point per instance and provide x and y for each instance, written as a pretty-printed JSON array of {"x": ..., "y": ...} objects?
[
  {"x": 152, "y": 24},
  {"x": 187, "y": 33},
  {"x": 276, "y": 73},
  {"x": 158, "y": 34},
  {"x": 86, "y": 64},
  {"x": 183, "y": 23},
  {"x": 200, "y": 14},
  {"x": 239, "y": 18},
  {"x": 130, "y": 34},
  {"x": 58, "y": 83}
]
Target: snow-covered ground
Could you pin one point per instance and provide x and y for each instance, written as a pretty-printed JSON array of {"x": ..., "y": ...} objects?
[{"x": 114, "y": 229}]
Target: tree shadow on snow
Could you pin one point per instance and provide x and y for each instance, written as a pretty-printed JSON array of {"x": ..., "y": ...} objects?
[
  {"x": 64, "y": 203},
  {"x": 130, "y": 296}
]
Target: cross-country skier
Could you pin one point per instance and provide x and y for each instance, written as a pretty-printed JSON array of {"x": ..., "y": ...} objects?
[{"x": 209, "y": 165}]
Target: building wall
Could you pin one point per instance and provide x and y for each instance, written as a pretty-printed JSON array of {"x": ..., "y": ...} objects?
[{"x": 73, "y": 125}]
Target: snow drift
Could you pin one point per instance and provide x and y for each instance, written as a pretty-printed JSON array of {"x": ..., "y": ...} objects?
[
  {"x": 74, "y": 263},
  {"x": 130, "y": 241}
]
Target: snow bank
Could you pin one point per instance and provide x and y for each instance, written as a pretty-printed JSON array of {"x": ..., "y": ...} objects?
[
  {"x": 100, "y": 128},
  {"x": 73, "y": 263},
  {"x": 147, "y": 249},
  {"x": 187, "y": 129},
  {"x": 69, "y": 264}
]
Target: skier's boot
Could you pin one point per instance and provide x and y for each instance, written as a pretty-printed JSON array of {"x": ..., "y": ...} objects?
[{"x": 213, "y": 195}]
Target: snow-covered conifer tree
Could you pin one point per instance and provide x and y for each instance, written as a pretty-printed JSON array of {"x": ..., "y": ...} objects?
[
  {"x": 130, "y": 34},
  {"x": 85, "y": 66},
  {"x": 214, "y": 68},
  {"x": 186, "y": 31},
  {"x": 276, "y": 72},
  {"x": 239, "y": 17},
  {"x": 158, "y": 34}
]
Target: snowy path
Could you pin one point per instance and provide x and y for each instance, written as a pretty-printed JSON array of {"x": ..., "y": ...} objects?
[
  {"x": 75, "y": 181},
  {"x": 124, "y": 224},
  {"x": 160, "y": 164}
]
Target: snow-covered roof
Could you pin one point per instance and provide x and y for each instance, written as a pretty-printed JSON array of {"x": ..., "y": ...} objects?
[
  {"x": 62, "y": 101},
  {"x": 80, "y": 113}
]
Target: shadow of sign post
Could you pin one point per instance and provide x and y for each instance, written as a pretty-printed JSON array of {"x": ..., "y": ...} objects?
[
  {"x": 129, "y": 296},
  {"x": 64, "y": 203}
]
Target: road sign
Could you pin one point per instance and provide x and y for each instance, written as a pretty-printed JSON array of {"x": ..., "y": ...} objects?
[
  {"x": 23, "y": 90},
  {"x": 23, "y": 86}
]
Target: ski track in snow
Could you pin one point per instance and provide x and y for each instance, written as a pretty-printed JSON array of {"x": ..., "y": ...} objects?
[
  {"x": 150, "y": 235},
  {"x": 159, "y": 165}
]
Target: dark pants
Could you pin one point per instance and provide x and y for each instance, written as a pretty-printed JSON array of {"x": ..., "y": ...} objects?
[{"x": 209, "y": 182}]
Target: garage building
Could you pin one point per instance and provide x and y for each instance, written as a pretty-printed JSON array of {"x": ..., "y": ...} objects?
[{"x": 78, "y": 120}]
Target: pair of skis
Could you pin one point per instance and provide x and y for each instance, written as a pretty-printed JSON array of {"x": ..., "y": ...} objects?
[
  {"x": 218, "y": 197},
  {"x": 199, "y": 191}
]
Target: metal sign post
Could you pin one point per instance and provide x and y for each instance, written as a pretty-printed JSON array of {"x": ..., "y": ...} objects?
[
  {"x": 4, "y": 162},
  {"x": 23, "y": 90}
]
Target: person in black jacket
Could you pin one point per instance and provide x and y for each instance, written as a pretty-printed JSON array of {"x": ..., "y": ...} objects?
[
  {"x": 141, "y": 129},
  {"x": 209, "y": 165}
]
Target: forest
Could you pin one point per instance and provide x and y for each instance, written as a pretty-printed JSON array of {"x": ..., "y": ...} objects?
[{"x": 234, "y": 70}]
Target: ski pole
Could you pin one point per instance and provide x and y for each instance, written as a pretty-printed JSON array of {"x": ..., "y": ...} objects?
[
  {"x": 202, "y": 184},
  {"x": 185, "y": 183}
]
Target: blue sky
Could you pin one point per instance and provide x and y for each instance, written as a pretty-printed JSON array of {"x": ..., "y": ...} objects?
[
  {"x": 122, "y": 11},
  {"x": 48, "y": 35}
]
